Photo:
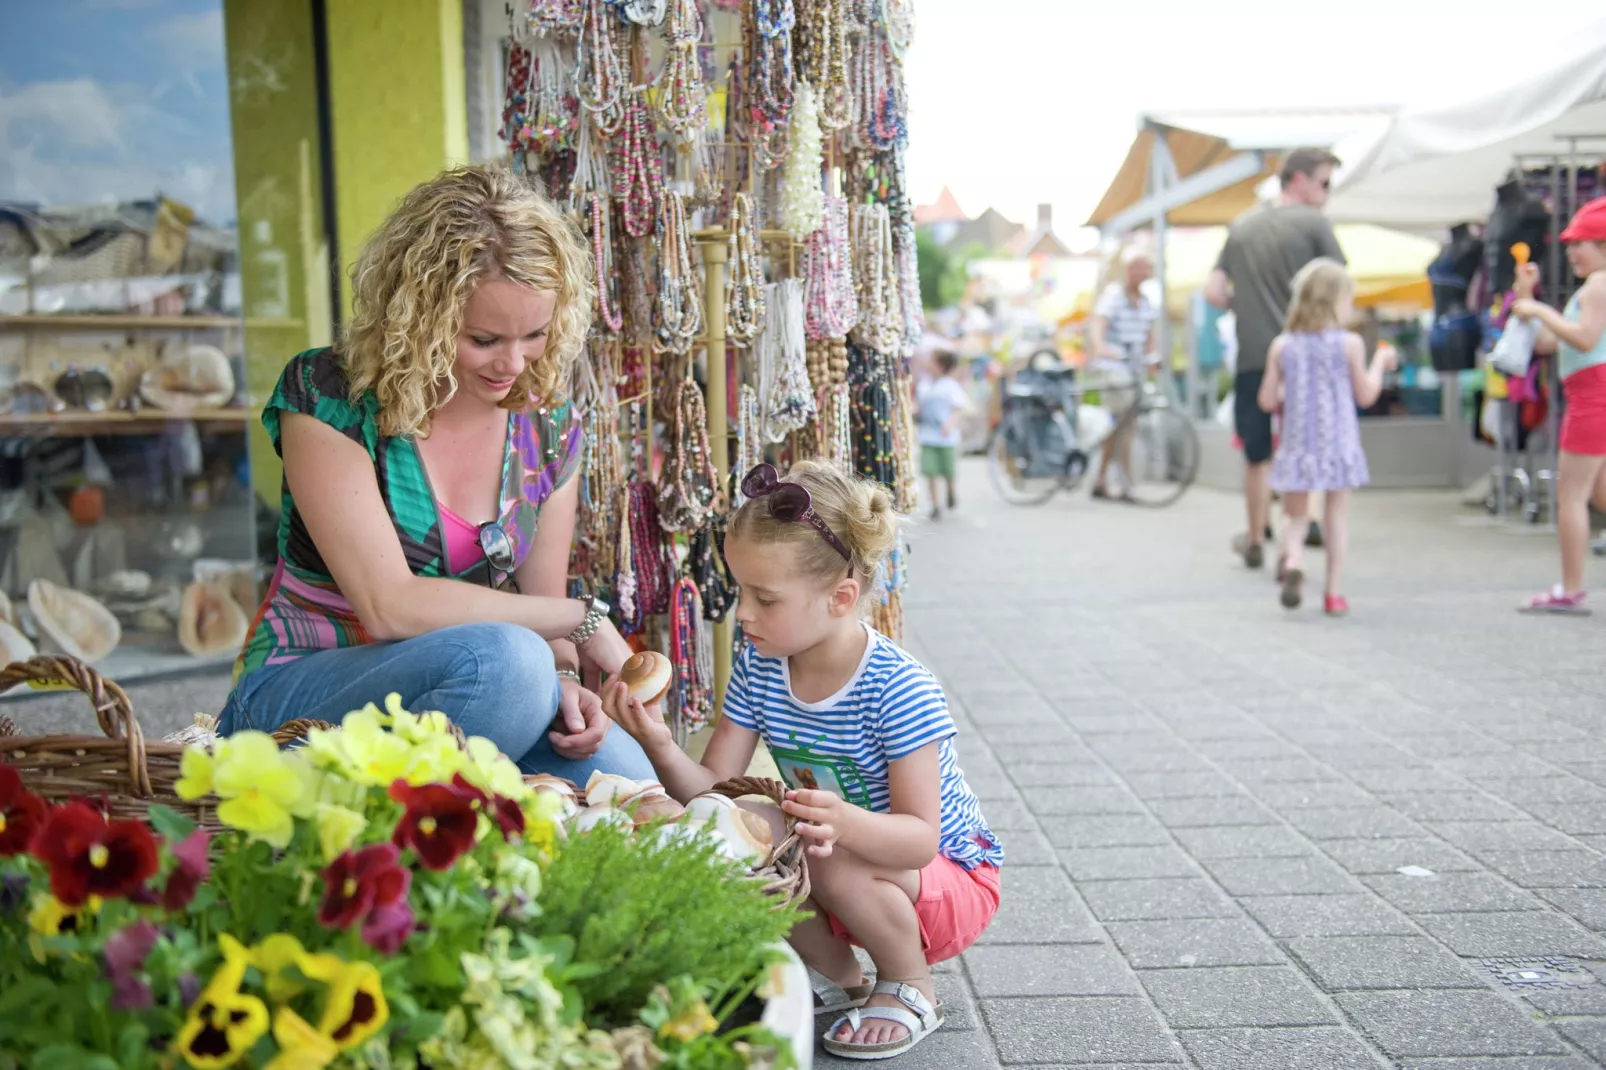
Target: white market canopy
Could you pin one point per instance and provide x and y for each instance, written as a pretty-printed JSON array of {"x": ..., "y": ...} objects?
[{"x": 1438, "y": 166}]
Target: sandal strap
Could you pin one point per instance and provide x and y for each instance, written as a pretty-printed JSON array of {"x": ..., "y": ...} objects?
[
  {"x": 910, "y": 997},
  {"x": 855, "y": 1018}
]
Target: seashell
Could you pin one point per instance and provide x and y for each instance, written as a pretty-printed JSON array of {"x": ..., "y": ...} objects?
[
  {"x": 71, "y": 622},
  {"x": 198, "y": 378},
  {"x": 708, "y": 807},
  {"x": 555, "y": 785},
  {"x": 606, "y": 789},
  {"x": 14, "y": 646},
  {"x": 676, "y": 833},
  {"x": 592, "y": 816},
  {"x": 745, "y": 836},
  {"x": 126, "y": 583},
  {"x": 210, "y": 621},
  {"x": 648, "y": 676},
  {"x": 652, "y": 806}
]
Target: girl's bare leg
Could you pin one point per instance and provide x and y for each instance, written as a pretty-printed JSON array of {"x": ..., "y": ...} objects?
[
  {"x": 1296, "y": 514},
  {"x": 1578, "y": 478},
  {"x": 1336, "y": 536}
]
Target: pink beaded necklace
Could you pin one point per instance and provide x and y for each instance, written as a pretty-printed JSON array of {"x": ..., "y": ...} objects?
[{"x": 608, "y": 310}]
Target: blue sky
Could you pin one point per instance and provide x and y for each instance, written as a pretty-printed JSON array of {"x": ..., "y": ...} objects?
[{"x": 114, "y": 100}]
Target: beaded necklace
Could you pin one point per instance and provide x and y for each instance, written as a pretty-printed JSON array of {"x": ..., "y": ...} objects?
[
  {"x": 802, "y": 197},
  {"x": 744, "y": 294},
  {"x": 600, "y": 80},
  {"x": 875, "y": 271},
  {"x": 638, "y": 305},
  {"x": 872, "y": 417},
  {"x": 645, "y": 12},
  {"x": 768, "y": 47},
  {"x": 551, "y": 17},
  {"x": 688, "y": 484},
  {"x": 691, "y": 695},
  {"x": 749, "y": 441},
  {"x": 609, "y": 314},
  {"x": 683, "y": 99},
  {"x": 823, "y": 59},
  {"x": 680, "y": 291},
  {"x": 832, "y": 304},
  {"x": 705, "y": 564},
  {"x": 624, "y": 582},
  {"x": 649, "y": 551},
  {"x": 906, "y": 477},
  {"x": 783, "y": 371},
  {"x": 637, "y": 170},
  {"x": 898, "y": 22},
  {"x": 834, "y": 432},
  {"x": 603, "y": 462}
]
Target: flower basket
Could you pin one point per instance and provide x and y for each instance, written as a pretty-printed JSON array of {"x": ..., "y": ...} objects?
[
  {"x": 785, "y": 872},
  {"x": 122, "y": 767}
]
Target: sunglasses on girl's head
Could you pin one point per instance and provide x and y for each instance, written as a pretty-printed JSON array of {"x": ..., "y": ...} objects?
[
  {"x": 497, "y": 545},
  {"x": 789, "y": 503}
]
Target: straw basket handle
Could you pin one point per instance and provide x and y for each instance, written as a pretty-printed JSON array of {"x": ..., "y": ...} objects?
[
  {"x": 114, "y": 711},
  {"x": 786, "y": 862}
]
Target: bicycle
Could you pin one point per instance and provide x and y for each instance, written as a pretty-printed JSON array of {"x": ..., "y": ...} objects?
[{"x": 1041, "y": 445}]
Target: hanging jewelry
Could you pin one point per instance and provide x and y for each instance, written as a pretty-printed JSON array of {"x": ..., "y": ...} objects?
[
  {"x": 551, "y": 17},
  {"x": 802, "y": 198},
  {"x": 680, "y": 292},
  {"x": 649, "y": 551},
  {"x": 831, "y": 301},
  {"x": 749, "y": 441},
  {"x": 638, "y": 171},
  {"x": 744, "y": 294},
  {"x": 609, "y": 314},
  {"x": 767, "y": 86},
  {"x": 683, "y": 99},
  {"x": 875, "y": 271},
  {"x": 783, "y": 371},
  {"x": 687, "y": 484},
  {"x": 906, "y": 478},
  {"x": 600, "y": 79},
  {"x": 691, "y": 695},
  {"x": 705, "y": 564},
  {"x": 645, "y": 12}
]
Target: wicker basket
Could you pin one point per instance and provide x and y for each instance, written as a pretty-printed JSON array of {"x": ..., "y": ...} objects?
[
  {"x": 785, "y": 872},
  {"x": 122, "y": 769}
]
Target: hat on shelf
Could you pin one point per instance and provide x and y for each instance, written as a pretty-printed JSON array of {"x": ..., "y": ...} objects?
[{"x": 1589, "y": 223}]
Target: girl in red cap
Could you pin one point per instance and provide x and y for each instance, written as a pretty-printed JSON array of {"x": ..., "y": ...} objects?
[{"x": 1578, "y": 336}]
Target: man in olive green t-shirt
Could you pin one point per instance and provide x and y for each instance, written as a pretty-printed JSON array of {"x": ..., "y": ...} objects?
[{"x": 1265, "y": 249}]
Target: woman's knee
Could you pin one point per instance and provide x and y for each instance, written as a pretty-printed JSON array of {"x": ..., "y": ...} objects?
[{"x": 503, "y": 655}]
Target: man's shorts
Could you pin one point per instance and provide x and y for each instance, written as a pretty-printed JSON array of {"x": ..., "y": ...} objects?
[
  {"x": 1251, "y": 422},
  {"x": 939, "y": 461}
]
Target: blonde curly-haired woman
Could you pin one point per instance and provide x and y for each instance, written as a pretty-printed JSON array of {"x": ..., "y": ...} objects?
[{"x": 429, "y": 498}]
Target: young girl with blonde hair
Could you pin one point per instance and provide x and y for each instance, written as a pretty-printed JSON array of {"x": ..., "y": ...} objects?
[
  {"x": 1316, "y": 373},
  {"x": 901, "y": 861}
]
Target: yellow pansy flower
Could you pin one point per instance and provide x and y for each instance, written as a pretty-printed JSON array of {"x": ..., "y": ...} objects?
[
  {"x": 277, "y": 953},
  {"x": 301, "y": 1047},
  {"x": 338, "y": 828},
  {"x": 355, "y": 1008},
  {"x": 490, "y": 770},
  {"x": 51, "y": 917},
  {"x": 690, "y": 1023},
  {"x": 369, "y": 753},
  {"x": 195, "y": 770},
  {"x": 261, "y": 787},
  {"x": 434, "y": 760},
  {"x": 224, "y": 1024}
]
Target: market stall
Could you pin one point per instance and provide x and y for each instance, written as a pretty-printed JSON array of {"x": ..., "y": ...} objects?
[{"x": 739, "y": 171}]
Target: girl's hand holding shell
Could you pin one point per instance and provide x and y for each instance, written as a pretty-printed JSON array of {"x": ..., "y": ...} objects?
[
  {"x": 631, "y": 699},
  {"x": 819, "y": 818}
]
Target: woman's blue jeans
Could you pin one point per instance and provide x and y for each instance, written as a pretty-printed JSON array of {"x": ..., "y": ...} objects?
[{"x": 493, "y": 680}]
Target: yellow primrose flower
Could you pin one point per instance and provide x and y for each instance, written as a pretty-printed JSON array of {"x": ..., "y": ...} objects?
[
  {"x": 490, "y": 770},
  {"x": 195, "y": 770},
  {"x": 301, "y": 1047},
  {"x": 224, "y": 1024},
  {"x": 371, "y": 754},
  {"x": 355, "y": 1008},
  {"x": 690, "y": 1023},
  {"x": 414, "y": 727},
  {"x": 261, "y": 786},
  {"x": 338, "y": 829},
  {"x": 434, "y": 760}
]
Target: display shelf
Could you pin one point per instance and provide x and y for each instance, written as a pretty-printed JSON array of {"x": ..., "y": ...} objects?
[
  {"x": 74, "y": 423},
  {"x": 117, "y": 322}
]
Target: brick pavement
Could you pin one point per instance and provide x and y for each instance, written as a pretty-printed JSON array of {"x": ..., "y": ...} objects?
[
  {"x": 1242, "y": 839},
  {"x": 1207, "y": 803}
]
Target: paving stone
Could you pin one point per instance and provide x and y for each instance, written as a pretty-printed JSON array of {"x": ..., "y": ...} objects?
[
  {"x": 1053, "y": 970},
  {"x": 1375, "y": 823},
  {"x": 1447, "y": 1022},
  {"x": 1147, "y": 900},
  {"x": 1041, "y": 921},
  {"x": 1198, "y": 942},
  {"x": 1009, "y": 815},
  {"x": 1011, "y": 753},
  {"x": 1348, "y": 962},
  {"x": 1531, "y": 1062},
  {"x": 1590, "y": 1036},
  {"x": 1286, "y": 916},
  {"x": 1528, "y": 933},
  {"x": 1549, "y": 869},
  {"x": 1208, "y": 813},
  {"x": 1571, "y": 789},
  {"x": 1586, "y": 905},
  {"x": 1410, "y": 779},
  {"x": 1029, "y": 849},
  {"x": 1280, "y": 876},
  {"x": 1304, "y": 1048},
  {"x": 1452, "y": 893},
  {"x": 1034, "y": 882},
  {"x": 1293, "y": 769},
  {"x": 1244, "y": 841},
  {"x": 1090, "y": 1028},
  {"x": 1575, "y": 818},
  {"x": 1386, "y": 856},
  {"x": 946, "y": 1049},
  {"x": 1234, "y": 996},
  {"x": 1060, "y": 774},
  {"x": 1181, "y": 785},
  {"x": 1081, "y": 801},
  {"x": 1481, "y": 766},
  {"x": 1117, "y": 863},
  {"x": 1476, "y": 837},
  {"x": 1312, "y": 795},
  {"x": 1111, "y": 831},
  {"x": 1453, "y": 806}
]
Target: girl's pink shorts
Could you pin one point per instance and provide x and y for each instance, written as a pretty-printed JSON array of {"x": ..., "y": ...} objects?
[{"x": 955, "y": 906}]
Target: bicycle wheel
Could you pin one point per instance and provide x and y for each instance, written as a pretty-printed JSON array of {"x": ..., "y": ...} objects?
[
  {"x": 1165, "y": 456},
  {"x": 1019, "y": 463}
]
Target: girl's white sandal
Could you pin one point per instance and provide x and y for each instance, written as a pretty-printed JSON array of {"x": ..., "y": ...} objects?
[{"x": 921, "y": 1023}]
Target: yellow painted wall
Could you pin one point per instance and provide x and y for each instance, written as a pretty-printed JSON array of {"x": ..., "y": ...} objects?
[{"x": 397, "y": 104}]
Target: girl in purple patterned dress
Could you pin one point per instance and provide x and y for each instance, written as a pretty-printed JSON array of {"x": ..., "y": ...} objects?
[{"x": 1316, "y": 373}]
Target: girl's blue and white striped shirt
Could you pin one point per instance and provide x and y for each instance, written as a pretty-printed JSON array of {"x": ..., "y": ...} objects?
[{"x": 891, "y": 708}]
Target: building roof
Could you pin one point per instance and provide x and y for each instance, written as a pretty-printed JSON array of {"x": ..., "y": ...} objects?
[
  {"x": 990, "y": 230},
  {"x": 945, "y": 209}
]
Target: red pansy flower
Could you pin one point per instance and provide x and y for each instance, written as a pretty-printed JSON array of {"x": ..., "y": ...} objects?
[
  {"x": 193, "y": 867},
  {"x": 21, "y": 813},
  {"x": 388, "y": 927},
  {"x": 88, "y": 855},
  {"x": 509, "y": 816},
  {"x": 440, "y": 821},
  {"x": 356, "y": 884}
]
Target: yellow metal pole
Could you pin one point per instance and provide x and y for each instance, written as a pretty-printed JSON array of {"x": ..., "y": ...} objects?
[{"x": 715, "y": 254}]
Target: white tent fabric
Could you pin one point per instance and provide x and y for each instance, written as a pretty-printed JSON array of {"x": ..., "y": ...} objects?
[{"x": 1434, "y": 167}]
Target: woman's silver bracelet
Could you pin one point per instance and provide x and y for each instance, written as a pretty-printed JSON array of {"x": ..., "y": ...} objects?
[{"x": 570, "y": 674}]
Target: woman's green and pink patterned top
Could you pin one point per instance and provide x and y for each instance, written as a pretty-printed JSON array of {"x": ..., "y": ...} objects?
[{"x": 304, "y": 611}]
